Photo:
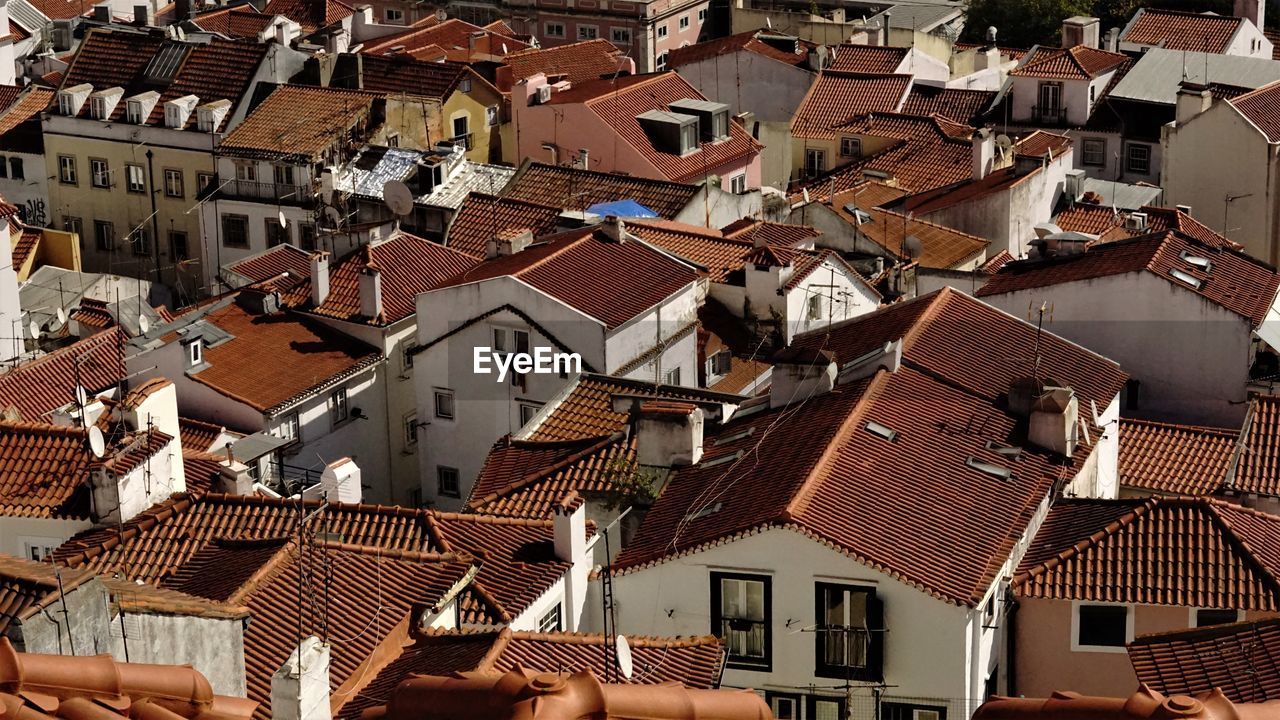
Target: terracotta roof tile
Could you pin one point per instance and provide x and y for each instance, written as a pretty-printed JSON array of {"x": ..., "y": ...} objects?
[
  {"x": 1182, "y": 31},
  {"x": 312, "y": 15},
  {"x": 993, "y": 264},
  {"x": 941, "y": 247},
  {"x": 529, "y": 479},
  {"x": 931, "y": 153},
  {"x": 587, "y": 410},
  {"x": 706, "y": 247},
  {"x": 23, "y": 116},
  {"x": 617, "y": 103},
  {"x": 400, "y": 74},
  {"x": 143, "y": 598},
  {"x": 770, "y": 233},
  {"x": 1174, "y": 459},
  {"x": 27, "y": 243},
  {"x": 481, "y": 216},
  {"x": 303, "y": 354},
  {"x": 749, "y": 41},
  {"x": 198, "y": 435},
  {"x": 1041, "y": 143},
  {"x": 1109, "y": 225},
  {"x": 1236, "y": 282},
  {"x": 1240, "y": 659},
  {"x": 960, "y": 105},
  {"x": 1213, "y": 554},
  {"x": 238, "y": 22},
  {"x": 868, "y": 59},
  {"x": 201, "y": 471},
  {"x": 611, "y": 282},
  {"x": 575, "y": 189},
  {"x": 587, "y": 60},
  {"x": 1262, "y": 108},
  {"x": 1087, "y": 218},
  {"x": 27, "y": 586},
  {"x": 1255, "y": 467},
  {"x": 298, "y": 122},
  {"x": 61, "y": 9},
  {"x": 519, "y": 558},
  {"x": 452, "y": 39},
  {"x": 45, "y": 384},
  {"x": 273, "y": 263},
  {"x": 836, "y": 98},
  {"x": 1078, "y": 63}
]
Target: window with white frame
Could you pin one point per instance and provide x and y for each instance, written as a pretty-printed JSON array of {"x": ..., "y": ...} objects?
[
  {"x": 407, "y": 349},
  {"x": 173, "y": 183},
  {"x": 620, "y": 35},
  {"x": 588, "y": 32},
  {"x": 133, "y": 111},
  {"x": 140, "y": 241},
  {"x": 815, "y": 162},
  {"x": 552, "y": 620},
  {"x": 289, "y": 427},
  {"x": 339, "y": 411},
  {"x": 671, "y": 377},
  {"x": 851, "y": 147},
  {"x": 1094, "y": 152},
  {"x": 67, "y": 169},
  {"x": 702, "y": 15},
  {"x": 738, "y": 184},
  {"x": 394, "y": 15},
  {"x": 815, "y": 307},
  {"x": 39, "y": 548},
  {"x": 246, "y": 172},
  {"x": 411, "y": 431},
  {"x": 527, "y": 412},
  {"x": 662, "y": 30},
  {"x": 1138, "y": 158},
  {"x": 447, "y": 481},
  {"x": 661, "y": 60},
  {"x": 135, "y": 179},
  {"x": 684, "y": 22},
  {"x": 491, "y": 115},
  {"x": 719, "y": 364},
  {"x": 740, "y": 613},
  {"x": 1105, "y": 627},
  {"x": 849, "y": 634},
  {"x": 553, "y": 29},
  {"x": 99, "y": 173},
  {"x": 444, "y": 404}
]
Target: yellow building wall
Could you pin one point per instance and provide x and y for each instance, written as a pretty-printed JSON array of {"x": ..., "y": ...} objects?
[
  {"x": 126, "y": 210},
  {"x": 56, "y": 247},
  {"x": 415, "y": 120},
  {"x": 486, "y": 140}
]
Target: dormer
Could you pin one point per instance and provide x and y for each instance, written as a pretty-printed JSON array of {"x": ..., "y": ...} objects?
[
  {"x": 178, "y": 111},
  {"x": 670, "y": 132},
  {"x": 71, "y": 100},
  {"x": 713, "y": 117},
  {"x": 209, "y": 116},
  {"x": 138, "y": 108},
  {"x": 103, "y": 103}
]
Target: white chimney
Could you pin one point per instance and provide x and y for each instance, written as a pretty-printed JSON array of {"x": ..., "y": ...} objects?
[
  {"x": 569, "y": 521},
  {"x": 1184, "y": 209},
  {"x": 300, "y": 688},
  {"x": 1254, "y": 10},
  {"x": 371, "y": 291},
  {"x": 984, "y": 153},
  {"x": 668, "y": 434},
  {"x": 615, "y": 228},
  {"x": 1192, "y": 100},
  {"x": 1054, "y": 417},
  {"x": 987, "y": 57},
  {"x": 799, "y": 374},
  {"x": 319, "y": 277},
  {"x": 1075, "y": 184},
  {"x": 583, "y": 158},
  {"x": 1080, "y": 30},
  {"x": 341, "y": 481},
  {"x": 508, "y": 241}
]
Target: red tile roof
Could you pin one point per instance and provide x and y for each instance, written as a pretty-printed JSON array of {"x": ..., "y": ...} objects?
[
  {"x": 692, "y": 662},
  {"x": 1240, "y": 659},
  {"x": 770, "y": 233},
  {"x": 1078, "y": 63},
  {"x": 1182, "y": 31},
  {"x": 609, "y": 281},
  {"x": 273, "y": 263},
  {"x": 830, "y": 479},
  {"x": 37, "y": 388},
  {"x": 198, "y": 435},
  {"x": 576, "y": 62},
  {"x": 401, "y": 74},
  {"x": 1255, "y": 466},
  {"x": 744, "y": 41},
  {"x": 836, "y": 98},
  {"x": 868, "y": 59},
  {"x": 932, "y": 153},
  {"x": 1262, "y": 108},
  {"x": 574, "y": 189},
  {"x": 1041, "y": 143},
  {"x": 1213, "y": 554},
  {"x": 617, "y": 103},
  {"x": 1087, "y": 218},
  {"x": 409, "y": 266},
  {"x": 1236, "y": 282},
  {"x": 238, "y": 22},
  {"x": 25, "y": 113},
  {"x": 995, "y": 262},
  {"x": 960, "y": 105},
  {"x": 1174, "y": 459},
  {"x": 1145, "y": 704},
  {"x": 706, "y": 247},
  {"x": 27, "y": 243},
  {"x": 941, "y": 246},
  {"x": 482, "y": 216},
  {"x": 1109, "y": 224},
  {"x": 298, "y": 123},
  {"x": 452, "y": 39},
  {"x": 61, "y": 9},
  {"x": 274, "y": 359},
  {"x": 312, "y": 15},
  {"x": 523, "y": 478},
  {"x": 27, "y": 586}
]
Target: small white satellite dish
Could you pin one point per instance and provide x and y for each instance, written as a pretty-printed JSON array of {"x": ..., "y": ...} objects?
[
  {"x": 806, "y": 196},
  {"x": 1004, "y": 141},
  {"x": 504, "y": 48},
  {"x": 62, "y": 316},
  {"x": 97, "y": 443},
  {"x": 280, "y": 217},
  {"x": 182, "y": 35},
  {"x": 625, "y": 663},
  {"x": 768, "y": 23},
  {"x": 34, "y": 329},
  {"x": 82, "y": 396},
  {"x": 144, "y": 325},
  {"x": 334, "y": 217},
  {"x": 398, "y": 197}
]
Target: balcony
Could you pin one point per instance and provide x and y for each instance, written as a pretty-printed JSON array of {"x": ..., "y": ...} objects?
[
  {"x": 463, "y": 141},
  {"x": 1049, "y": 114},
  {"x": 274, "y": 192}
]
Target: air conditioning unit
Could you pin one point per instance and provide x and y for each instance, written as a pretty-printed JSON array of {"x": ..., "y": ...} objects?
[
  {"x": 544, "y": 94},
  {"x": 1137, "y": 221}
]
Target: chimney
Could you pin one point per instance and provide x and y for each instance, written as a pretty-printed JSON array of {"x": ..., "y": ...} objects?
[
  {"x": 800, "y": 373},
  {"x": 1184, "y": 209},
  {"x": 1075, "y": 184},
  {"x": 987, "y": 57},
  {"x": 507, "y": 242},
  {"x": 1253, "y": 10},
  {"x": 182, "y": 10},
  {"x": 1112, "y": 41},
  {"x": 984, "y": 153},
  {"x": 668, "y": 434},
  {"x": 371, "y": 291},
  {"x": 615, "y": 228},
  {"x": 102, "y": 12},
  {"x": 1080, "y": 30},
  {"x": 1052, "y": 412},
  {"x": 144, "y": 16},
  {"x": 583, "y": 159},
  {"x": 319, "y": 277},
  {"x": 1193, "y": 99},
  {"x": 300, "y": 688},
  {"x": 569, "y": 525},
  {"x": 341, "y": 481},
  {"x": 441, "y": 15}
]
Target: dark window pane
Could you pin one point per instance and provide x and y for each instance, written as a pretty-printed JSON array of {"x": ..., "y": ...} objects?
[{"x": 1103, "y": 625}]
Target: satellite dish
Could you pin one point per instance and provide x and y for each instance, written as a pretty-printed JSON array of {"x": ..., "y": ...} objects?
[
  {"x": 34, "y": 328},
  {"x": 335, "y": 217},
  {"x": 913, "y": 247},
  {"x": 504, "y": 48},
  {"x": 97, "y": 443},
  {"x": 625, "y": 663},
  {"x": 144, "y": 325},
  {"x": 170, "y": 33},
  {"x": 280, "y": 217},
  {"x": 1004, "y": 141},
  {"x": 768, "y": 23},
  {"x": 398, "y": 197},
  {"x": 182, "y": 35},
  {"x": 806, "y": 196},
  {"x": 82, "y": 396},
  {"x": 62, "y": 316}
]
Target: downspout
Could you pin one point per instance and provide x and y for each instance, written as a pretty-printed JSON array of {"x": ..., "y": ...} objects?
[
  {"x": 1011, "y": 643},
  {"x": 155, "y": 221}
]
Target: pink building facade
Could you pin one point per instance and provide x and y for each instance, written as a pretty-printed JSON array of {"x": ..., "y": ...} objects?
[{"x": 647, "y": 31}]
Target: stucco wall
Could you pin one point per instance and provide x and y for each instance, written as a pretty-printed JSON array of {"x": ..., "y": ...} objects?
[
  {"x": 215, "y": 647},
  {"x": 79, "y": 628}
]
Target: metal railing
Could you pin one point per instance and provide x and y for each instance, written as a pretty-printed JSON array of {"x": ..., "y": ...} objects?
[
  {"x": 267, "y": 190},
  {"x": 1055, "y": 114}
]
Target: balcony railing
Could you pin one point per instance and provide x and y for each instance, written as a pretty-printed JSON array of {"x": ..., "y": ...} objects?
[
  {"x": 1051, "y": 114},
  {"x": 287, "y": 192},
  {"x": 463, "y": 141}
]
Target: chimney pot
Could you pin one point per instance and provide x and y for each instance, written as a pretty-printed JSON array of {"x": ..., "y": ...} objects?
[
  {"x": 668, "y": 434},
  {"x": 615, "y": 228},
  {"x": 319, "y": 278},
  {"x": 371, "y": 291},
  {"x": 984, "y": 153}
]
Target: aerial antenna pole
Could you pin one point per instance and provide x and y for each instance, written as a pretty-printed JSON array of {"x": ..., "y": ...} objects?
[{"x": 1035, "y": 370}]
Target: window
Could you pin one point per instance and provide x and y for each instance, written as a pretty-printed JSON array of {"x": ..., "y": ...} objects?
[
  {"x": 1093, "y": 94},
  {"x": 447, "y": 481},
  {"x": 849, "y": 641},
  {"x": 702, "y": 15},
  {"x": 16, "y": 170},
  {"x": 67, "y": 169},
  {"x": 283, "y": 174},
  {"x": 99, "y": 173},
  {"x": 904, "y": 711},
  {"x": 491, "y": 115},
  {"x": 684, "y": 22},
  {"x": 738, "y": 184},
  {"x": 289, "y": 429},
  {"x": 815, "y": 162},
  {"x": 620, "y": 36},
  {"x": 671, "y": 377},
  {"x": 826, "y": 708},
  {"x": 527, "y": 412},
  {"x": 104, "y": 235},
  {"x": 1138, "y": 158},
  {"x": 785, "y": 707},
  {"x": 39, "y": 549},
  {"x": 307, "y": 236},
  {"x": 246, "y": 172},
  {"x": 444, "y": 404},
  {"x": 1095, "y": 152},
  {"x": 662, "y": 30},
  {"x": 688, "y": 138},
  {"x": 465, "y": 84},
  {"x": 393, "y": 15},
  {"x": 133, "y": 111},
  {"x": 140, "y": 241},
  {"x": 411, "y": 431},
  {"x": 661, "y": 60},
  {"x": 75, "y": 225},
  {"x": 553, "y": 29},
  {"x": 588, "y": 32},
  {"x": 462, "y": 131},
  {"x": 204, "y": 181},
  {"x": 850, "y": 147},
  {"x": 339, "y": 412},
  {"x": 173, "y": 183},
  {"x": 1204, "y": 617},
  {"x": 815, "y": 307},
  {"x": 136, "y": 182},
  {"x": 1102, "y": 627},
  {"x": 407, "y": 349},
  {"x": 178, "y": 244},
  {"x": 719, "y": 363},
  {"x": 66, "y": 104},
  {"x": 393, "y": 140},
  {"x": 195, "y": 352},
  {"x": 740, "y": 615},
  {"x": 550, "y": 621},
  {"x": 277, "y": 234},
  {"x": 235, "y": 230},
  {"x": 1050, "y": 107},
  {"x": 4, "y": 168}
]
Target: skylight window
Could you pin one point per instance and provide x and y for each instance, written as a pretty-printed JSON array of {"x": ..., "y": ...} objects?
[
  {"x": 705, "y": 511},
  {"x": 735, "y": 437},
  {"x": 1009, "y": 451},
  {"x": 883, "y": 431},
  {"x": 722, "y": 459},
  {"x": 1185, "y": 277},
  {"x": 1196, "y": 261},
  {"x": 987, "y": 468}
]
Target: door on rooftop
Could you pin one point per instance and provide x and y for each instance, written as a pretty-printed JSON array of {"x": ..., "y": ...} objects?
[
  {"x": 815, "y": 162},
  {"x": 462, "y": 131},
  {"x": 1050, "y": 108}
]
